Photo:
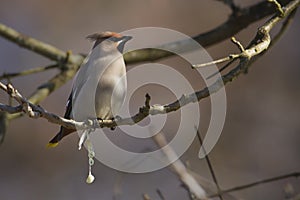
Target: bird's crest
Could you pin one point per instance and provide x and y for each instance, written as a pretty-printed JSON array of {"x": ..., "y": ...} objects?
[{"x": 99, "y": 37}]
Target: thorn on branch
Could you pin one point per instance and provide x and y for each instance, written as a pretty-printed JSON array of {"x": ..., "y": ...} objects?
[
  {"x": 145, "y": 109},
  {"x": 147, "y": 102},
  {"x": 68, "y": 55}
]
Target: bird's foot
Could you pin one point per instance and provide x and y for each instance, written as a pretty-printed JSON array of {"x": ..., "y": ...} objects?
[
  {"x": 115, "y": 119},
  {"x": 93, "y": 123}
]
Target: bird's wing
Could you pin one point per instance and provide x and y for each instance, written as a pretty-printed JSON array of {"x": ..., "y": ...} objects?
[
  {"x": 69, "y": 107},
  {"x": 80, "y": 78},
  {"x": 79, "y": 83}
]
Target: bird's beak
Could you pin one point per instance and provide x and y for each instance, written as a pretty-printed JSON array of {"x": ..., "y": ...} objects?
[
  {"x": 121, "y": 43},
  {"x": 126, "y": 38}
]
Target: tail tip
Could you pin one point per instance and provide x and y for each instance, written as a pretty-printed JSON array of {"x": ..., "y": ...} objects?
[{"x": 52, "y": 145}]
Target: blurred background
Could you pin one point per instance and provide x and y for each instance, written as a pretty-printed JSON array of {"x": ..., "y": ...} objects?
[{"x": 260, "y": 138}]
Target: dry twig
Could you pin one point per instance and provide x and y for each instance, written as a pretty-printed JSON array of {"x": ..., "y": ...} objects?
[
  {"x": 242, "y": 187},
  {"x": 179, "y": 169},
  {"x": 28, "y": 72}
]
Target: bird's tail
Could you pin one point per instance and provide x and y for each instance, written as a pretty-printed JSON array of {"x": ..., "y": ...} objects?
[{"x": 61, "y": 134}]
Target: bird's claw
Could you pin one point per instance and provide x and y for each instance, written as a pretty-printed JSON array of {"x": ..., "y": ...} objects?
[
  {"x": 115, "y": 119},
  {"x": 93, "y": 123}
]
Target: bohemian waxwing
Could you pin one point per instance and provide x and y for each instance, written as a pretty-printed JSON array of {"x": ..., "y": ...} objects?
[{"x": 104, "y": 64}]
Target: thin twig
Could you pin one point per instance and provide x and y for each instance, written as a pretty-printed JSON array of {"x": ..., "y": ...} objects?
[
  {"x": 221, "y": 69},
  {"x": 45, "y": 89},
  {"x": 69, "y": 61},
  {"x": 178, "y": 168},
  {"x": 210, "y": 167},
  {"x": 236, "y": 22},
  {"x": 258, "y": 45},
  {"x": 247, "y": 186},
  {"x": 284, "y": 27},
  {"x": 276, "y": 38},
  {"x": 28, "y": 72},
  {"x": 214, "y": 62}
]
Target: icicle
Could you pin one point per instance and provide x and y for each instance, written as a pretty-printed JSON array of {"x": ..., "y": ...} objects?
[{"x": 91, "y": 154}]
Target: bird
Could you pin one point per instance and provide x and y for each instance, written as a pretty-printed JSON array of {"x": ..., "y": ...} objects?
[{"x": 101, "y": 75}]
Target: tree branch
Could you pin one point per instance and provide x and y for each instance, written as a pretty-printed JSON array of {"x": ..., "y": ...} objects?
[
  {"x": 37, "y": 46},
  {"x": 209, "y": 164},
  {"x": 44, "y": 90},
  {"x": 69, "y": 62},
  {"x": 261, "y": 41},
  {"x": 242, "y": 187},
  {"x": 237, "y": 21},
  {"x": 179, "y": 169},
  {"x": 28, "y": 72},
  {"x": 257, "y": 46},
  {"x": 10, "y": 109}
]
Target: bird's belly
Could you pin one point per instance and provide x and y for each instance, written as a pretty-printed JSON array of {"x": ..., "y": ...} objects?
[{"x": 109, "y": 97}]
